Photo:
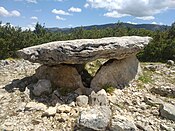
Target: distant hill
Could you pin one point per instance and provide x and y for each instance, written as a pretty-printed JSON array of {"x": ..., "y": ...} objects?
[{"x": 152, "y": 27}]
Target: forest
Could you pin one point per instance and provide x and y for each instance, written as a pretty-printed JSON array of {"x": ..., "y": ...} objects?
[{"x": 160, "y": 49}]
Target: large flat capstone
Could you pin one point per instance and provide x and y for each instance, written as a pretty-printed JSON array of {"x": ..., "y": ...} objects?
[{"x": 84, "y": 50}]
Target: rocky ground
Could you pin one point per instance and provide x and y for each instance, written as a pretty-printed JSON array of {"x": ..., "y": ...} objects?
[{"x": 147, "y": 104}]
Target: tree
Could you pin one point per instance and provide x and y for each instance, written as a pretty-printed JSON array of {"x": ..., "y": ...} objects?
[{"x": 39, "y": 30}]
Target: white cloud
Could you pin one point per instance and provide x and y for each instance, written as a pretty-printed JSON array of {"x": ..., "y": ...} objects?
[
  {"x": 144, "y": 9},
  {"x": 6, "y": 13},
  {"x": 34, "y": 23},
  {"x": 4, "y": 24},
  {"x": 146, "y": 18},
  {"x": 86, "y": 5},
  {"x": 32, "y": 1},
  {"x": 129, "y": 22},
  {"x": 73, "y": 9},
  {"x": 60, "y": 12},
  {"x": 161, "y": 23},
  {"x": 60, "y": 18},
  {"x": 34, "y": 18},
  {"x": 15, "y": 13},
  {"x": 114, "y": 14},
  {"x": 154, "y": 23},
  {"x": 31, "y": 27}
]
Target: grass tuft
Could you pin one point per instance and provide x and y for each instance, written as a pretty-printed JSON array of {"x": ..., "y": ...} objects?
[
  {"x": 108, "y": 88},
  {"x": 146, "y": 77}
]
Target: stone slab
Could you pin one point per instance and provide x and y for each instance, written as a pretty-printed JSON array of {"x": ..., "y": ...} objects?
[{"x": 84, "y": 50}]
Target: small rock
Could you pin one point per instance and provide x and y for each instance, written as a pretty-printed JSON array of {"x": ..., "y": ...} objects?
[
  {"x": 42, "y": 86},
  {"x": 151, "y": 67},
  {"x": 63, "y": 117},
  {"x": 155, "y": 112},
  {"x": 4, "y": 62},
  {"x": 143, "y": 126},
  {"x": 166, "y": 128},
  {"x": 21, "y": 107},
  {"x": 135, "y": 102},
  {"x": 121, "y": 123},
  {"x": 143, "y": 106},
  {"x": 74, "y": 112},
  {"x": 3, "y": 93},
  {"x": 51, "y": 111},
  {"x": 72, "y": 104},
  {"x": 64, "y": 109},
  {"x": 99, "y": 99},
  {"x": 56, "y": 98},
  {"x": 35, "y": 106},
  {"x": 97, "y": 118},
  {"x": 1, "y": 96},
  {"x": 152, "y": 100},
  {"x": 82, "y": 100},
  {"x": 166, "y": 91},
  {"x": 70, "y": 97},
  {"x": 170, "y": 62},
  {"x": 27, "y": 92},
  {"x": 167, "y": 111},
  {"x": 8, "y": 128}
]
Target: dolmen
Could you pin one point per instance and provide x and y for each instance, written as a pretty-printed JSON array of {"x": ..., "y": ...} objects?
[{"x": 63, "y": 62}]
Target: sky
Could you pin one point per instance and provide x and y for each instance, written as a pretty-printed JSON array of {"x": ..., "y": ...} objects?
[{"x": 73, "y": 13}]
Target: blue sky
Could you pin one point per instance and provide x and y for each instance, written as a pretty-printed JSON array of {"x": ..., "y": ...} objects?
[{"x": 72, "y": 13}]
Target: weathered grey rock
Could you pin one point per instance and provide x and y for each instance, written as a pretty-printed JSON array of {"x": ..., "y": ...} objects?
[
  {"x": 121, "y": 123},
  {"x": 143, "y": 126},
  {"x": 84, "y": 50},
  {"x": 63, "y": 117},
  {"x": 152, "y": 100},
  {"x": 35, "y": 106},
  {"x": 21, "y": 107},
  {"x": 4, "y": 62},
  {"x": 167, "y": 111},
  {"x": 170, "y": 62},
  {"x": 51, "y": 111},
  {"x": 167, "y": 91},
  {"x": 166, "y": 128},
  {"x": 42, "y": 86},
  {"x": 3, "y": 93},
  {"x": 56, "y": 98},
  {"x": 97, "y": 118},
  {"x": 64, "y": 109},
  {"x": 116, "y": 73},
  {"x": 82, "y": 100},
  {"x": 151, "y": 67},
  {"x": 61, "y": 76},
  {"x": 99, "y": 98}
]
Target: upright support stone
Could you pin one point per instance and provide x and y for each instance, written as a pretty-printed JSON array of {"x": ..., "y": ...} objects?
[
  {"x": 61, "y": 76},
  {"x": 116, "y": 73}
]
